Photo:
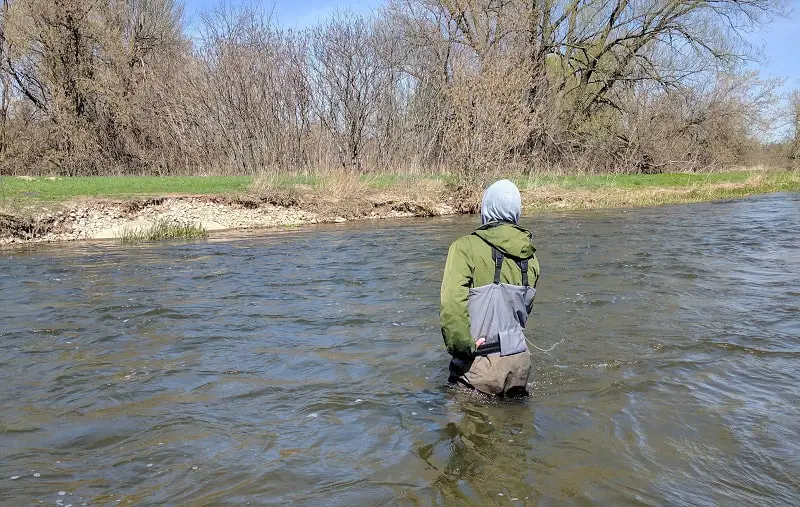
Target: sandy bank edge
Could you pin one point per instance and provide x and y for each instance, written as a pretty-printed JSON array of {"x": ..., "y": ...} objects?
[{"x": 109, "y": 219}]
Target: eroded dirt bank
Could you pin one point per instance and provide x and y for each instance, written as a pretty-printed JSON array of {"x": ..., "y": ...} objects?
[{"x": 109, "y": 219}]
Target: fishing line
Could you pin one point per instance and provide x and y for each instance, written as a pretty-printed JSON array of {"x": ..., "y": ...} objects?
[{"x": 559, "y": 342}]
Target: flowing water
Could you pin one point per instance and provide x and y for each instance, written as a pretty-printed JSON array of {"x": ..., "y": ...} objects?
[{"x": 307, "y": 367}]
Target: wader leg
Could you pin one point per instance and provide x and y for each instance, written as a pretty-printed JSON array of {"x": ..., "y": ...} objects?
[
  {"x": 493, "y": 374},
  {"x": 519, "y": 369}
]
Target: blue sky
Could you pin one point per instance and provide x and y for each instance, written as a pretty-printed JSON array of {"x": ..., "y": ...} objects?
[
  {"x": 779, "y": 41},
  {"x": 297, "y": 13}
]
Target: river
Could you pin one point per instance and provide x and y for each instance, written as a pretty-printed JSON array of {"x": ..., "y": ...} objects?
[{"x": 306, "y": 366}]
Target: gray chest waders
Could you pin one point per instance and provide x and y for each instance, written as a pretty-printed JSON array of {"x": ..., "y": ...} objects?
[{"x": 498, "y": 312}]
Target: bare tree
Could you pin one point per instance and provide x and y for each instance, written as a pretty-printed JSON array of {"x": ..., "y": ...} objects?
[
  {"x": 250, "y": 93},
  {"x": 346, "y": 76},
  {"x": 794, "y": 111},
  {"x": 80, "y": 64},
  {"x": 5, "y": 81}
]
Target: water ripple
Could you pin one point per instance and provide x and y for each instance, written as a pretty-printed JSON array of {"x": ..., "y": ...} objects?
[{"x": 307, "y": 367}]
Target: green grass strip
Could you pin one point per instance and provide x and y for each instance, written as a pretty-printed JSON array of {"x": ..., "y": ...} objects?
[
  {"x": 66, "y": 188},
  {"x": 631, "y": 180}
]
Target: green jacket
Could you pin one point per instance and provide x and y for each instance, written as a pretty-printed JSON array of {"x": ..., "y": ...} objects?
[{"x": 469, "y": 264}]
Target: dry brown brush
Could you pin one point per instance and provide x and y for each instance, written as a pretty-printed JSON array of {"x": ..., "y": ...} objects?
[{"x": 466, "y": 87}]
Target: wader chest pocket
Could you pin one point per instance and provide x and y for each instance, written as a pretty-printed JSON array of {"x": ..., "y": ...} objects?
[{"x": 512, "y": 341}]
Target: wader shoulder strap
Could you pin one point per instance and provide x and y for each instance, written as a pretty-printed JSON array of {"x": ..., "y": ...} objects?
[
  {"x": 523, "y": 265},
  {"x": 497, "y": 257}
]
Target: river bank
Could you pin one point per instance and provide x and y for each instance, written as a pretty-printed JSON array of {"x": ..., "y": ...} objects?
[{"x": 69, "y": 209}]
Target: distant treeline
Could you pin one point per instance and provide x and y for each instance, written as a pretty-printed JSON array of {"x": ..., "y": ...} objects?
[{"x": 93, "y": 87}]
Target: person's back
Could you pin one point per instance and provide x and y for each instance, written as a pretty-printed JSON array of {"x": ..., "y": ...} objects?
[{"x": 487, "y": 293}]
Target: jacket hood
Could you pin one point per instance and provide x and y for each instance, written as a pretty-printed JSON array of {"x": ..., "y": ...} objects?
[
  {"x": 501, "y": 202},
  {"x": 509, "y": 239}
]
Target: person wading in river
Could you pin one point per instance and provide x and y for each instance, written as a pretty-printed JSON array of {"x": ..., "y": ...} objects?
[{"x": 487, "y": 294}]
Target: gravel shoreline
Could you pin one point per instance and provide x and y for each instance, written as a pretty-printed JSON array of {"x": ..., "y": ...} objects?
[{"x": 106, "y": 219}]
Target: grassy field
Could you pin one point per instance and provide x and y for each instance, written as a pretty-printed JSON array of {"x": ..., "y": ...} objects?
[
  {"x": 118, "y": 187},
  {"x": 633, "y": 180},
  {"x": 591, "y": 190},
  {"x": 121, "y": 187}
]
